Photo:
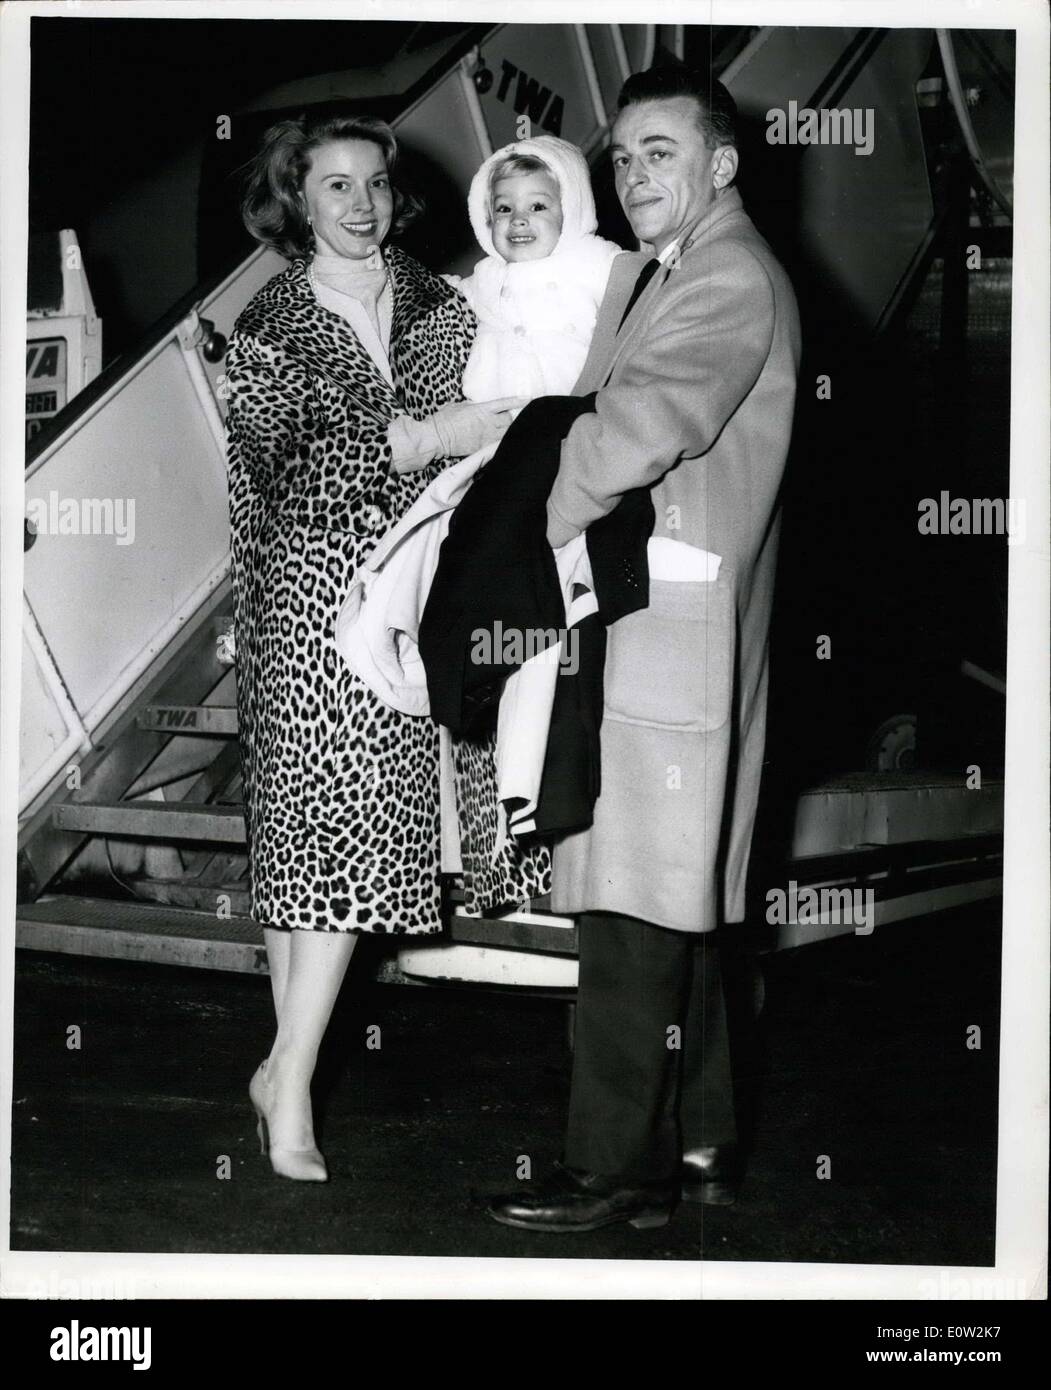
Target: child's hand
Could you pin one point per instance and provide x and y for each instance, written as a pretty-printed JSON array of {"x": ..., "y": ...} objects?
[{"x": 464, "y": 427}]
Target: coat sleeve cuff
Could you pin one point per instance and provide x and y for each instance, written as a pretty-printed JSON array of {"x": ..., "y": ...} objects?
[
  {"x": 559, "y": 531},
  {"x": 413, "y": 443}
]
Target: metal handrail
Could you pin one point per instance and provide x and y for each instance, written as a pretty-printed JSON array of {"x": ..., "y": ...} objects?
[
  {"x": 129, "y": 363},
  {"x": 959, "y": 106}
]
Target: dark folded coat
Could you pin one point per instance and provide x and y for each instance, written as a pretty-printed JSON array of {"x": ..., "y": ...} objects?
[{"x": 497, "y": 567}]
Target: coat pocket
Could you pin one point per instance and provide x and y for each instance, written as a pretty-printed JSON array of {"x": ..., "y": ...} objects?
[{"x": 670, "y": 666}]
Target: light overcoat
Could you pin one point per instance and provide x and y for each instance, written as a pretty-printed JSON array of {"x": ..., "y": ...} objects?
[{"x": 695, "y": 399}]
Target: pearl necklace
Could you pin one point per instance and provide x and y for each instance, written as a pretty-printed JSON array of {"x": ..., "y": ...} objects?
[{"x": 312, "y": 282}]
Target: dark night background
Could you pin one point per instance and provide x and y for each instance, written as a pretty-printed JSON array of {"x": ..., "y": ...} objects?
[{"x": 120, "y": 112}]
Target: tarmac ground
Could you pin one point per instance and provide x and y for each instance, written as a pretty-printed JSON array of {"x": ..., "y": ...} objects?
[{"x": 860, "y": 1054}]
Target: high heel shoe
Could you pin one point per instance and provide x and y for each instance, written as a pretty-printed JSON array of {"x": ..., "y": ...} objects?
[{"x": 301, "y": 1165}]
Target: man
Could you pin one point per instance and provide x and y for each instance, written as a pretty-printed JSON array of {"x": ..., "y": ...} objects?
[{"x": 694, "y": 361}]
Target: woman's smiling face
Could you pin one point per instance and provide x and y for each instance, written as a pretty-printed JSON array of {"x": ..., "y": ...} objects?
[
  {"x": 348, "y": 198},
  {"x": 526, "y": 216}
]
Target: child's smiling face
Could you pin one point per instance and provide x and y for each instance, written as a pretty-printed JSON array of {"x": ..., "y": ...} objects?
[{"x": 526, "y": 216}]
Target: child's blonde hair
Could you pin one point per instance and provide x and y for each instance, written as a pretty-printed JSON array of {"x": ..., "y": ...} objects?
[{"x": 512, "y": 166}]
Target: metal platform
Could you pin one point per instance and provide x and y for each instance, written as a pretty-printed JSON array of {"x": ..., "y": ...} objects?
[
  {"x": 141, "y": 932},
  {"x": 163, "y": 934},
  {"x": 156, "y": 820},
  {"x": 892, "y": 808}
]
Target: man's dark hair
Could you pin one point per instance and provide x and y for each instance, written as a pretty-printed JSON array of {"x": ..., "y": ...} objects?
[{"x": 718, "y": 110}]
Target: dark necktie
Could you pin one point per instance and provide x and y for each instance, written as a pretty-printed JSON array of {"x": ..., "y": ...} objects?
[{"x": 646, "y": 274}]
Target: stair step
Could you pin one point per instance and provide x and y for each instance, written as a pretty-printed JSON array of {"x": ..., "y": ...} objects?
[
  {"x": 141, "y": 932},
  {"x": 155, "y": 820},
  {"x": 231, "y": 898},
  {"x": 190, "y": 719},
  {"x": 168, "y": 935},
  {"x": 223, "y": 866},
  {"x": 521, "y": 931}
]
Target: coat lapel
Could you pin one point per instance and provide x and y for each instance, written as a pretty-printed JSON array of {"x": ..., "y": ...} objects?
[
  {"x": 401, "y": 283},
  {"x": 329, "y": 347},
  {"x": 639, "y": 316},
  {"x": 642, "y": 309},
  {"x": 416, "y": 294},
  {"x": 622, "y": 276}
]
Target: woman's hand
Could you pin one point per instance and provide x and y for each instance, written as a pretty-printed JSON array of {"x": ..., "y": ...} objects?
[
  {"x": 454, "y": 431},
  {"x": 464, "y": 427}
]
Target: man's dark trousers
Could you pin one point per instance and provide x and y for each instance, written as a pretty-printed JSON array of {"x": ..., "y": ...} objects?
[{"x": 638, "y": 1101}]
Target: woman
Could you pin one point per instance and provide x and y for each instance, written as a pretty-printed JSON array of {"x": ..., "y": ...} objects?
[{"x": 344, "y": 402}]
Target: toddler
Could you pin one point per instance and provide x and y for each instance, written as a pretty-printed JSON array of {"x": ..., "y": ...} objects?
[{"x": 537, "y": 292}]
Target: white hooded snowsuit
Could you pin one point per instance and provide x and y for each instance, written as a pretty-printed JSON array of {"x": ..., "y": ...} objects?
[{"x": 536, "y": 318}]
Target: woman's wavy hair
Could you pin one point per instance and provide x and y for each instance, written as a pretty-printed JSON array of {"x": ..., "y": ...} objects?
[{"x": 271, "y": 205}]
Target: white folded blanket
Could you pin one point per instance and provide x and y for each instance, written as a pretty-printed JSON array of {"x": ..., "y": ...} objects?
[{"x": 378, "y": 626}]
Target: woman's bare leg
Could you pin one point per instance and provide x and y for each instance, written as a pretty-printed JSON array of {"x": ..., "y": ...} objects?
[
  {"x": 278, "y": 950},
  {"x": 317, "y": 963}
]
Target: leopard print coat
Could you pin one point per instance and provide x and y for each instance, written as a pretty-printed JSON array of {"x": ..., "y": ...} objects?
[{"x": 341, "y": 791}]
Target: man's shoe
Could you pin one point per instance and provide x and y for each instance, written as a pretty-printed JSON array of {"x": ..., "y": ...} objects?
[
  {"x": 573, "y": 1200},
  {"x": 711, "y": 1175}
]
